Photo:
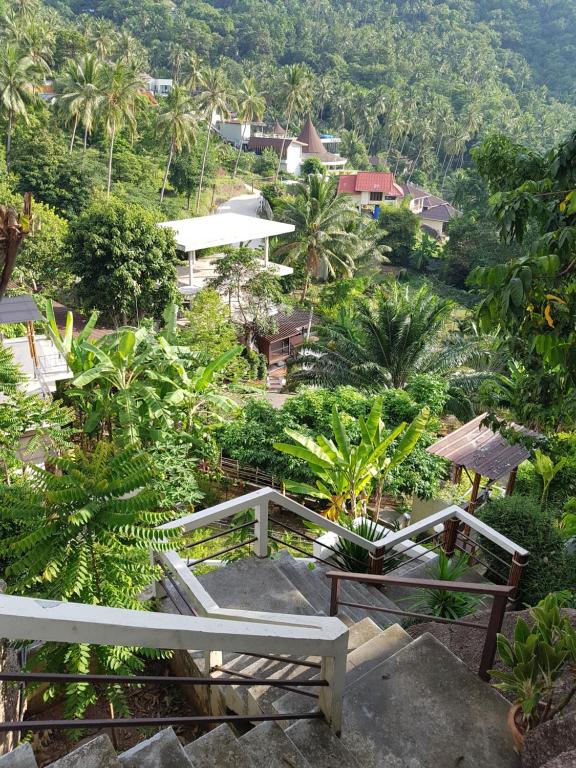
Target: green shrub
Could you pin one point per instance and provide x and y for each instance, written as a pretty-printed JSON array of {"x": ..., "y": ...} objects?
[
  {"x": 521, "y": 518},
  {"x": 428, "y": 389}
]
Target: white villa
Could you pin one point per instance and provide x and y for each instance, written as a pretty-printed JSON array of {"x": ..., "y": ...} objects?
[{"x": 296, "y": 150}]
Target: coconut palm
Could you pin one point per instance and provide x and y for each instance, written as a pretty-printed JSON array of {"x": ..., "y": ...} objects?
[
  {"x": 18, "y": 78},
  {"x": 384, "y": 340},
  {"x": 296, "y": 87},
  {"x": 177, "y": 122},
  {"x": 191, "y": 66},
  {"x": 38, "y": 41},
  {"x": 120, "y": 90},
  {"x": 215, "y": 97},
  {"x": 322, "y": 239},
  {"x": 251, "y": 106},
  {"x": 80, "y": 93},
  {"x": 130, "y": 51}
]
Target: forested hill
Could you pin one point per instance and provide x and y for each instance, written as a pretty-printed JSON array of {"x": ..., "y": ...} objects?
[
  {"x": 533, "y": 41},
  {"x": 503, "y": 63}
]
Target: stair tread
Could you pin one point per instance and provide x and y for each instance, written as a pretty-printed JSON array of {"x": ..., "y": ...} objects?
[
  {"x": 314, "y": 737},
  {"x": 218, "y": 749},
  {"x": 269, "y": 747},
  {"x": 96, "y": 753},
  {"x": 237, "y": 584},
  {"x": 21, "y": 757},
  {"x": 162, "y": 749},
  {"x": 423, "y": 707}
]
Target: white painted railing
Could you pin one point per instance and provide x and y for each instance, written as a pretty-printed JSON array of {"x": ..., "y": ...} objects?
[{"x": 24, "y": 618}]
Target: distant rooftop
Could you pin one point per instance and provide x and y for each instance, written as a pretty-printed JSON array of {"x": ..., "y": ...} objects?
[
  {"x": 370, "y": 181},
  {"x": 222, "y": 229},
  {"x": 18, "y": 309}
]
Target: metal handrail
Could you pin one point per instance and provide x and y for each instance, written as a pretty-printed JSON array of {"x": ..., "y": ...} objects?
[{"x": 499, "y": 593}]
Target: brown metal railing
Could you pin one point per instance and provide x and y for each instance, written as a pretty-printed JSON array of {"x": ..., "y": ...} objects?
[
  {"x": 499, "y": 593},
  {"x": 126, "y": 680}
]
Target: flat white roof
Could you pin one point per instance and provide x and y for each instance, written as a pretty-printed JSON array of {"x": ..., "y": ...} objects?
[{"x": 222, "y": 229}]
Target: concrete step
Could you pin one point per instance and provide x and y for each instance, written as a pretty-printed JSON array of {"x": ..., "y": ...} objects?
[
  {"x": 21, "y": 757},
  {"x": 359, "y": 662},
  {"x": 360, "y": 593},
  {"x": 314, "y": 738},
  {"x": 163, "y": 749},
  {"x": 269, "y": 747},
  {"x": 375, "y": 651},
  {"x": 253, "y": 582},
  {"x": 218, "y": 749},
  {"x": 423, "y": 708},
  {"x": 96, "y": 753}
]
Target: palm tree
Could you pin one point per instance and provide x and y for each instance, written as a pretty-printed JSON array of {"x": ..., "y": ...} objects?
[
  {"x": 296, "y": 88},
  {"x": 214, "y": 97},
  {"x": 382, "y": 341},
  {"x": 38, "y": 42},
  {"x": 251, "y": 106},
  {"x": 101, "y": 37},
  {"x": 130, "y": 51},
  {"x": 81, "y": 94},
  {"x": 321, "y": 238},
  {"x": 120, "y": 90},
  {"x": 177, "y": 121},
  {"x": 18, "y": 77}
]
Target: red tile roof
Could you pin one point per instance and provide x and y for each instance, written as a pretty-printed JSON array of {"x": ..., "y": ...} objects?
[{"x": 370, "y": 181}]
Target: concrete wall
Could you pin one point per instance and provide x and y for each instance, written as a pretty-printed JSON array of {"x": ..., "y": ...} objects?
[
  {"x": 293, "y": 159},
  {"x": 235, "y": 133},
  {"x": 437, "y": 226}
]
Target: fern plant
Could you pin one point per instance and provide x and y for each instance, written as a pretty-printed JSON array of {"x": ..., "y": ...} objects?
[
  {"x": 85, "y": 535},
  {"x": 10, "y": 372}
]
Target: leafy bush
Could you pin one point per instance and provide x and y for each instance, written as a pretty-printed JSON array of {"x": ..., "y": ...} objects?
[
  {"x": 550, "y": 568},
  {"x": 352, "y": 557},
  {"x": 428, "y": 389}
]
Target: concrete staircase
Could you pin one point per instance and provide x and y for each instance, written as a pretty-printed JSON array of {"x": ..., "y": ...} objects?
[{"x": 407, "y": 704}]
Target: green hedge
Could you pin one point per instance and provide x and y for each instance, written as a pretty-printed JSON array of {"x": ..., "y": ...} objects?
[{"x": 522, "y": 519}]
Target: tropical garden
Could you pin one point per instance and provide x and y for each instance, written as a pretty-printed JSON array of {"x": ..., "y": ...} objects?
[{"x": 409, "y": 336}]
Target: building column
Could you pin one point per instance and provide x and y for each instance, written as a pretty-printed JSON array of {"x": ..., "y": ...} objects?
[
  {"x": 191, "y": 262},
  {"x": 266, "y": 250}
]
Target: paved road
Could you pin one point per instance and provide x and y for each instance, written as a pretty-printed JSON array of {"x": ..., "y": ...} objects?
[{"x": 246, "y": 205}]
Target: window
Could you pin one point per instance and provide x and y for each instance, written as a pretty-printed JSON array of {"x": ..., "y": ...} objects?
[
  {"x": 390, "y": 197},
  {"x": 375, "y": 197},
  {"x": 285, "y": 350}
]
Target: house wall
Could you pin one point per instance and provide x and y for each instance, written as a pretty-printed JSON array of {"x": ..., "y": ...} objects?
[
  {"x": 235, "y": 133},
  {"x": 160, "y": 87},
  {"x": 437, "y": 226},
  {"x": 293, "y": 159}
]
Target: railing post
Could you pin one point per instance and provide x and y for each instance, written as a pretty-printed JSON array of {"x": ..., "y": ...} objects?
[
  {"x": 494, "y": 626},
  {"x": 261, "y": 529},
  {"x": 331, "y": 698},
  {"x": 334, "y": 593},
  {"x": 451, "y": 527},
  {"x": 375, "y": 561},
  {"x": 516, "y": 570}
]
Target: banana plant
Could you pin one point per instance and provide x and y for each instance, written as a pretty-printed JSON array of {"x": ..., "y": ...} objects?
[
  {"x": 70, "y": 347},
  {"x": 545, "y": 467},
  {"x": 346, "y": 472}
]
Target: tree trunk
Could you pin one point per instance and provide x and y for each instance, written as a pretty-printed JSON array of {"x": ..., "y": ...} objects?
[
  {"x": 110, "y": 161},
  {"x": 73, "y": 133},
  {"x": 204, "y": 156},
  {"x": 9, "y": 139},
  {"x": 239, "y": 153},
  {"x": 167, "y": 171},
  {"x": 85, "y": 137},
  {"x": 288, "y": 118},
  {"x": 305, "y": 289}
]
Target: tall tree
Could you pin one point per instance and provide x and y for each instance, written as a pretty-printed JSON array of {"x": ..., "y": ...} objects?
[
  {"x": 81, "y": 95},
  {"x": 215, "y": 97},
  {"x": 296, "y": 89},
  {"x": 251, "y": 107},
  {"x": 18, "y": 77},
  {"x": 321, "y": 239},
  {"x": 120, "y": 89},
  {"x": 177, "y": 122}
]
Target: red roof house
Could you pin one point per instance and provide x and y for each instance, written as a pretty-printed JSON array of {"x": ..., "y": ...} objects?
[{"x": 370, "y": 187}]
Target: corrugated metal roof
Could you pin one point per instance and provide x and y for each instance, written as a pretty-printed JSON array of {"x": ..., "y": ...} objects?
[
  {"x": 289, "y": 325},
  {"x": 18, "y": 309},
  {"x": 478, "y": 448},
  {"x": 347, "y": 183}
]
